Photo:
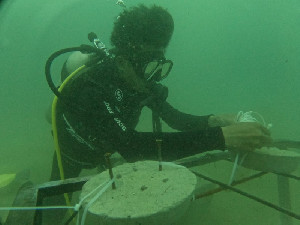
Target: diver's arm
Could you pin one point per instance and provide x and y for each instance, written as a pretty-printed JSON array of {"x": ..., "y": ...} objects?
[
  {"x": 243, "y": 137},
  {"x": 186, "y": 122},
  {"x": 183, "y": 121},
  {"x": 133, "y": 145},
  {"x": 177, "y": 120},
  {"x": 175, "y": 145},
  {"x": 174, "y": 118}
]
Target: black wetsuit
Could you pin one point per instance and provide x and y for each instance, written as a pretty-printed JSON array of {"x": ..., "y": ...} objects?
[{"x": 98, "y": 113}]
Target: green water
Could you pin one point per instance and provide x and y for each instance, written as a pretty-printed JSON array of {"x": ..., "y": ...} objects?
[{"x": 229, "y": 55}]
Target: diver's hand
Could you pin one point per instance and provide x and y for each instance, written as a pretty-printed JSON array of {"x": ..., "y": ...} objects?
[
  {"x": 157, "y": 96},
  {"x": 246, "y": 136},
  {"x": 222, "y": 120}
]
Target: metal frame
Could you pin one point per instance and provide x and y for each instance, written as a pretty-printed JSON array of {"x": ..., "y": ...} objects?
[{"x": 30, "y": 195}]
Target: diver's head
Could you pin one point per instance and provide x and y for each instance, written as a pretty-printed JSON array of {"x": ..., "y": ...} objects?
[{"x": 141, "y": 36}]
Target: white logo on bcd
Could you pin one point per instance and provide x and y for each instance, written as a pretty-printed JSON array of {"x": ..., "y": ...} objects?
[{"x": 119, "y": 94}]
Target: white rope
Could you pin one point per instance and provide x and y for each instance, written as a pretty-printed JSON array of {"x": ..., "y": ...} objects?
[
  {"x": 234, "y": 169},
  {"x": 246, "y": 117},
  {"x": 252, "y": 117},
  {"x": 35, "y": 208},
  {"x": 93, "y": 200},
  {"x": 77, "y": 206}
]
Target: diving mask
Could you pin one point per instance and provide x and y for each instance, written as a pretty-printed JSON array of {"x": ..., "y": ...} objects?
[
  {"x": 152, "y": 65},
  {"x": 157, "y": 70}
]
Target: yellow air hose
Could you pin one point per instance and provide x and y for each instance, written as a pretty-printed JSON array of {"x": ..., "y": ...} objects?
[{"x": 54, "y": 129}]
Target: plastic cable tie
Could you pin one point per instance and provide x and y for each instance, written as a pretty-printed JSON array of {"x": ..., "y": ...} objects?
[{"x": 77, "y": 207}]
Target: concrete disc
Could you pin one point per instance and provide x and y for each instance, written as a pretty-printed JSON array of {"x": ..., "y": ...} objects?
[{"x": 144, "y": 195}]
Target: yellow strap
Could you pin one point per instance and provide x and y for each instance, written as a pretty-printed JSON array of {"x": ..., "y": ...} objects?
[{"x": 54, "y": 129}]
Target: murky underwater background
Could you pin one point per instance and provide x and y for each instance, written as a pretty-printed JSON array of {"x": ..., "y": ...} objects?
[{"x": 228, "y": 56}]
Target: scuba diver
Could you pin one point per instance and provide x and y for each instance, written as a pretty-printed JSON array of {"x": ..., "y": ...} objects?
[{"x": 98, "y": 107}]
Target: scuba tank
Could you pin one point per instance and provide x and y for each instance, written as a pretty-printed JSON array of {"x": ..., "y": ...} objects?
[{"x": 98, "y": 50}]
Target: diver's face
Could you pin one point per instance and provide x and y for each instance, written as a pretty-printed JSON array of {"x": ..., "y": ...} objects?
[
  {"x": 133, "y": 70},
  {"x": 151, "y": 64},
  {"x": 142, "y": 58}
]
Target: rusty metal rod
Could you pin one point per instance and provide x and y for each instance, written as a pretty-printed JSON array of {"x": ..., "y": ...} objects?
[
  {"x": 111, "y": 175},
  {"x": 159, "y": 141},
  {"x": 219, "y": 189},
  {"x": 266, "y": 203}
]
